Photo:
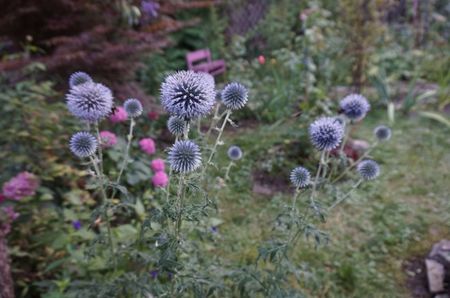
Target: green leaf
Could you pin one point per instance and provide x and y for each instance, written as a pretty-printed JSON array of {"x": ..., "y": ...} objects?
[{"x": 435, "y": 116}]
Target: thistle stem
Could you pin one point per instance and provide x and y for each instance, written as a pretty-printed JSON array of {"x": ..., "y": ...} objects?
[
  {"x": 214, "y": 121},
  {"x": 213, "y": 151},
  {"x": 316, "y": 180},
  {"x": 180, "y": 199},
  {"x": 170, "y": 178},
  {"x": 126, "y": 153},
  {"x": 357, "y": 184},
  {"x": 346, "y": 136}
]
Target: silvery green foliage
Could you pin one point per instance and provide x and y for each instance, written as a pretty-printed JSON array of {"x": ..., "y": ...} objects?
[
  {"x": 368, "y": 169},
  {"x": 326, "y": 133},
  {"x": 133, "y": 107},
  {"x": 188, "y": 95},
  {"x": 184, "y": 156},
  {"x": 234, "y": 153},
  {"x": 83, "y": 144},
  {"x": 176, "y": 125},
  {"x": 300, "y": 177},
  {"x": 355, "y": 106},
  {"x": 234, "y": 96},
  {"x": 78, "y": 78},
  {"x": 382, "y": 133},
  {"x": 90, "y": 101}
]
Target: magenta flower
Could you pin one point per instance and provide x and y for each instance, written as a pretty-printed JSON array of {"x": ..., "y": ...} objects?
[
  {"x": 157, "y": 165},
  {"x": 152, "y": 115},
  {"x": 148, "y": 146},
  {"x": 22, "y": 185},
  {"x": 120, "y": 115},
  {"x": 108, "y": 139},
  {"x": 160, "y": 179}
]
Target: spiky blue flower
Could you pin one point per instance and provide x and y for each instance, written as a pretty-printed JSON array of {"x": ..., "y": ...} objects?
[
  {"x": 78, "y": 78},
  {"x": 83, "y": 144},
  {"x": 355, "y": 106},
  {"x": 184, "y": 156},
  {"x": 326, "y": 133},
  {"x": 176, "y": 125},
  {"x": 188, "y": 95},
  {"x": 368, "y": 169},
  {"x": 90, "y": 101},
  {"x": 300, "y": 177},
  {"x": 234, "y": 96},
  {"x": 382, "y": 133},
  {"x": 234, "y": 153},
  {"x": 133, "y": 107}
]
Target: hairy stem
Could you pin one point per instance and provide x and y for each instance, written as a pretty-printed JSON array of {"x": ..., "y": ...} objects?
[
  {"x": 227, "y": 171},
  {"x": 214, "y": 121},
  {"x": 180, "y": 199},
  {"x": 219, "y": 136},
  {"x": 170, "y": 178},
  {"x": 316, "y": 179}
]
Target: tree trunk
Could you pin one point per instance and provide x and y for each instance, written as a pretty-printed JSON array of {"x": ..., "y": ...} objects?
[{"x": 6, "y": 282}]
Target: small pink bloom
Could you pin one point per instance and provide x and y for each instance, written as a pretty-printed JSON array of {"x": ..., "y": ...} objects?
[
  {"x": 22, "y": 185},
  {"x": 147, "y": 145},
  {"x": 120, "y": 115},
  {"x": 9, "y": 211},
  {"x": 108, "y": 139},
  {"x": 160, "y": 179},
  {"x": 153, "y": 115},
  {"x": 261, "y": 59},
  {"x": 157, "y": 165}
]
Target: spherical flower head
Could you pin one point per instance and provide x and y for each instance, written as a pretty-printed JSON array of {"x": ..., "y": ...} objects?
[
  {"x": 157, "y": 165},
  {"x": 78, "y": 78},
  {"x": 300, "y": 177},
  {"x": 133, "y": 107},
  {"x": 22, "y": 185},
  {"x": 261, "y": 59},
  {"x": 90, "y": 101},
  {"x": 83, "y": 144},
  {"x": 120, "y": 115},
  {"x": 176, "y": 125},
  {"x": 234, "y": 153},
  {"x": 368, "y": 169},
  {"x": 382, "y": 133},
  {"x": 160, "y": 179},
  {"x": 234, "y": 96},
  {"x": 355, "y": 106},
  {"x": 148, "y": 146},
  {"x": 188, "y": 95},
  {"x": 184, "y": 156},
  {"x": 326, "y": 133},
  {"x": 108, "y": 139}
]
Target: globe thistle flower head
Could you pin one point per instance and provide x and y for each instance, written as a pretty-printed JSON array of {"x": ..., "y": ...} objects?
[
  {"x": 234, "y": 153},
  {"x": 234, "y": 96},
  {"x": 184, "y": 156},
  {"x": 355, "y": 106},
  {"x": 83, "y": 144},
  {"x": 326, "y": 133},
  {"x": 78, "y": 78},
  {"x": 368, "y": 169},
  {"x": 90, "y": 101},
  {"x": 382, "y": 133},
  {"x": 176, "y": 125},
  {"x": 300, "y": 177},
  {"x": 133, "y": 107},
  {"x": 188, "y": 95}
]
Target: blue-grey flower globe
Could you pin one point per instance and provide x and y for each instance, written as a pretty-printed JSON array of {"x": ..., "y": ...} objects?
[
  {"x": 382, "y": 133},
  {"x": 78, "y": 78},
  {"x": 184, "y": 156},
  {"x": 176, "y": 125},
  {"x": 234, "y": 153},
  {"x": 83, "y": 144},
  {"x": 326, "y": 133},
  {"x": 234, "y": 96},
  {"x": 188, "y": 95},
  {"x": 368, "y": 169},
  {"x": 90, "y": 101},
  {"x": 300, "y": 177},
  {"x": 355, "y": 106},
  {"x": 133, "y": 107}
]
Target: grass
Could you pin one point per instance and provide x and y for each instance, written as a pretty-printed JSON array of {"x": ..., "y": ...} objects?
[{"x": 388, "y": 221}]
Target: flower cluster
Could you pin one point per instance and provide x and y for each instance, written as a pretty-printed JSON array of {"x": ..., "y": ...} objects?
[
  {"x": 160, "y": 178},
  {"x": 23, "y": 185},
  {"x": 148, "y": 146},
  {"x": 108, "y": 139}
]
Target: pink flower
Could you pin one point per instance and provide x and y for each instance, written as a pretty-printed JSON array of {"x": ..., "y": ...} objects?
[
  {"x": 157, "y": 165},
  {"x": 22, "y": 185},
  {"x": 261, "y": 59},
  {"x": 153, "y": 115},
  {"x": 108, "y": 139},
  {"x": 160, "y": 179},
  {"x": 9, "y": 211},
  {"x": 147, "y": 145},
  {"x": 120, "y": 115}
]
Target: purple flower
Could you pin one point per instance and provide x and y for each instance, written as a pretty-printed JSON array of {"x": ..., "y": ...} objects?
[
  {"x": 154, "y": 273},
  {"x": 214, "y": 229},
  {"x": 76, "y": 224},
  {"x": 20, "y": 186},
  {"x": 150, "y": 8}
]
